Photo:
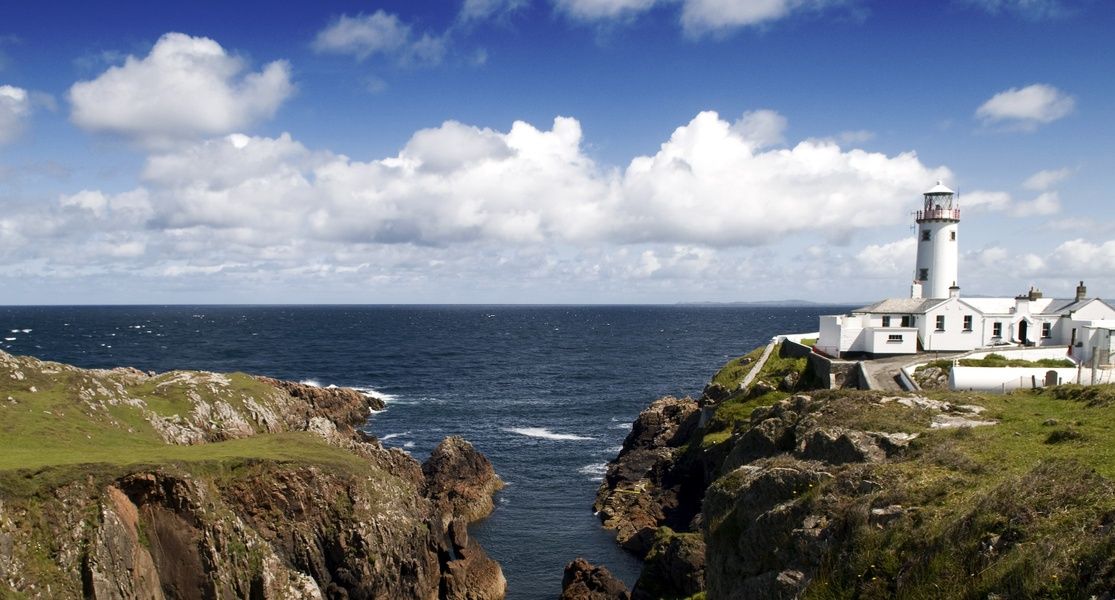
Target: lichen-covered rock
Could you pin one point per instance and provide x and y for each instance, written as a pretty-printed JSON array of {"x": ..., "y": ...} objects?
[
  {"x": 585, "y": 581},
  {"x": 674, "y": 567}
]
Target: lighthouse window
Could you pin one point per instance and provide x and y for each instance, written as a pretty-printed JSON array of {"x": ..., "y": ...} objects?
[
  {"x": 923, "y": 274},
  {"x": 925, "y": 236},
  {"x": 940, "y": 322}
]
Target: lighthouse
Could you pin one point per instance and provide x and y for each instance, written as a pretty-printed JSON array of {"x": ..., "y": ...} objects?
[{"x": 935, "y": 275}]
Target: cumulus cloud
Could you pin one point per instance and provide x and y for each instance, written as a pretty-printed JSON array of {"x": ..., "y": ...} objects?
[
  {"x": 464, "y": 201},
  {"x": 1046, "y": 203},
  {"x": 383, "y": 33},
  {"x": 15, "y": 107},
  {"x": 980, "y": 201},
  {"x": 1045, "y": 179},
  {"x": 1026, "y": 108},
  {"x": 185, "y": 87},
  {"x": 603, "y": 9}
]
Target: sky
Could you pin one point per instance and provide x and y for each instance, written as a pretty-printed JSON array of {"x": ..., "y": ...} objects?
[{"x": 548, "y": 151}]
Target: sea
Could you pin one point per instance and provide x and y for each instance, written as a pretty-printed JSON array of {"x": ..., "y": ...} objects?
[{"x": 547, "y": 393}]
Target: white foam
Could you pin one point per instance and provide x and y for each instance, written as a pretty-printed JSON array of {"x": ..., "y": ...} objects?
[
  {"x": 391, "y": 436},
  {"x": 595, "y": 471},
  {"x": 9, "y": 339},
  {"x": 546, "y": 434},
  {"x": 408, "y": 445},
  {"x": 311, "y": 382},
  {"x": 374, "y": 393},
  {"x": 25, "y": 330},
  {"x": 620, "y": 426}
]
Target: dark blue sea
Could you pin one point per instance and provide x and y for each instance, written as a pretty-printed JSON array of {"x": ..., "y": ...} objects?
[{"x": 547, "y": 393}]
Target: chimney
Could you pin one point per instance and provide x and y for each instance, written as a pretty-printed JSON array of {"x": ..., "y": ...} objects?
[
  {"x": 1081, "y": 292},
  {"x": 954, "y": 291},
  {"x": 1034, "y": 293},
  {"x": 915, "y": 290}
]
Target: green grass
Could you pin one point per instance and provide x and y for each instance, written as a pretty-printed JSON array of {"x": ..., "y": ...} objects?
[
  {"x": 998, "y": 361},
  {"x": 732, "y": 373},
  {"x": 51, "y": 435}
]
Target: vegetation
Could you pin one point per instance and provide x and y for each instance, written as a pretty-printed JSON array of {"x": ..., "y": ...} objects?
[{"x": 998, "y": 360}]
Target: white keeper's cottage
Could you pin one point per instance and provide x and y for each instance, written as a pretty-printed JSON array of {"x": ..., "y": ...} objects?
[{"x": 936, "y": 318}]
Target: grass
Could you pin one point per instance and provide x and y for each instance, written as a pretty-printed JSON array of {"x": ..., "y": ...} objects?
[
  {"x": 999, "y": 361},
  {"x": 731, "y": 375},
  {"x": 50, "y": 434}
]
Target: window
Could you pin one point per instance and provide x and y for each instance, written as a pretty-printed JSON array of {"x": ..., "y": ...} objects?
[
  {"x": 886, "y": 321},
  {"x": 952, "y": 235},
  {"x": 925, "y": 235},
  {"x": 923, "y": 274},
  {"x": 894, "y": 338},
  {"x": 967, "y": 322},
  {"x": 997, "y": 329},
  {"x": 940, "y": 322},
  {"x": 1047, "y": 330},
  {"x": 907, "y": 321}
]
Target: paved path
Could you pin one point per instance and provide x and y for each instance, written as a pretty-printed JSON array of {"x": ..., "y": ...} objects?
[
  {"x": 758, "y": 366},
  {"x": 883, "y": 372}
]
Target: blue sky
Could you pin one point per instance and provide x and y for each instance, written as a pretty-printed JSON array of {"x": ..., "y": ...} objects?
[{"x": 548, "y": 150}]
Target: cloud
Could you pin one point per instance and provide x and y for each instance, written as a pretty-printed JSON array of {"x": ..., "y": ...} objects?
[
  {"x": 380, "y": 33},
  {"x": 15, "y": 108},
  {"x": 1045, "y": 179},
  {"x": 185, "y": 87},
  {"x": 1026, "y": 108},
  {"x": 891, "y": 260},
  {"x": 699, "y": 17},
  {"x": 1033, "y": 10},
  {"x": 857, "y": 136},
  {"x": 1047, "y": 203},
  {"x": 764, "y": 127},
  {"x": 475, "y": 10},
  {"x": 464, "y": 203},
  {"x": 1081, "y": 257},
  {"x": 980, "y": 201}
]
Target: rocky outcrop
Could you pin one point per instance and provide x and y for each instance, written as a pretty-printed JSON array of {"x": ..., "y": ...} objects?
[
  {"x": 674, "y": 567},
  {"x": 585, "y": 581},
  {"x": 459, "y": 484},
  {"x": 640, "y": 491},
  {"x": 460, "y": 481},
  {"x": 274, "y": 513}
]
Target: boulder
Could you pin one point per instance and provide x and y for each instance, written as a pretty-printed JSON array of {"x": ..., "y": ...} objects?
[
  {"x": 585, "y": 581},
  {"x": 674, "y": 567},
  {"x": 460, "y": 480}
]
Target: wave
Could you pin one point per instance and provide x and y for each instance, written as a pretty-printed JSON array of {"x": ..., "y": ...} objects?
[
  {"x": 620, "y": 426},
  {"x": 374, "y": 393},
  {"x": 596, "y": 471},
  {"x": 311, "y": 382},
  {"x": 391, "y": 436},
  {"x": 546, "y": 434}
]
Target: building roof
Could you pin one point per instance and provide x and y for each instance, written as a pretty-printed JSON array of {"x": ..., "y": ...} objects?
[
  {"x": 901, "y": 306},
  {"x": 940, "y": 188}
]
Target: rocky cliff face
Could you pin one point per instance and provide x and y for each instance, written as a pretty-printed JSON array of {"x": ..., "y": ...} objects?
[
  {"x": 273, "y": 493},
  {"x": 854, "y": 494}
]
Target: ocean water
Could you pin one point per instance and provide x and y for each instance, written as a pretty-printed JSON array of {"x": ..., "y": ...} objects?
[{"x": 546, "y": 393}]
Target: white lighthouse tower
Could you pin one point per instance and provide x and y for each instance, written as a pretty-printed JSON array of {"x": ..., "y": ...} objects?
[{"x": 935, "y": 275}]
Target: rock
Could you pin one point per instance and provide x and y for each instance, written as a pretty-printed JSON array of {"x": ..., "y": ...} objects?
[
  {"x": 468, "y": 573},
  {"x": 346, "y": 407},
  {"x": 883, "y": 516},
  {"x": 715, "y": 393},
  {"x": 641, "y": 490},
  {"x": 460, "y": 481},
  {"x": 955, "y": 421},
  {"x": 1050, "y": 422},
  {"x": 893, "y": 443},
  {"x": 759, "y": 388},
  {"x": 674, "y": 567},
  {"x": 837, "y": 445},
  {"x": 584, "y": 581},
  {"x": 790, "y": 382}
]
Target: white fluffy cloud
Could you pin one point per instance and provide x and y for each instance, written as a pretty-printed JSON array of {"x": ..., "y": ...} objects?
[
  {"x": 185, "y": 87},
  {"x": 521, "y": 205},
  {"x": 484, "y": 9},
  {"x": 382, "y": 33},
  {"x": 1026, "y": 108},
  {"x": 891, "y": 260},
  {"x": 709, "y": 184},
  {"x": 15, "y": 107}
]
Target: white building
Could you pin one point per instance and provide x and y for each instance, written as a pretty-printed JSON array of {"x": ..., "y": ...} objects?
[{"x": 936, "y": 319}]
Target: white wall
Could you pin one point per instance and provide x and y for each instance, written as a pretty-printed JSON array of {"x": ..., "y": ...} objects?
[
  {"x": 953, "y": 338},
  {"x": 940, "y": 255},
  {"x": 877, "y": 340},
  {"x": 992, "y": 379}
]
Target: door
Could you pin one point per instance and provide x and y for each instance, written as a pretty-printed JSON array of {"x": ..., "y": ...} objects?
[{"x": 1023, "y": 329}]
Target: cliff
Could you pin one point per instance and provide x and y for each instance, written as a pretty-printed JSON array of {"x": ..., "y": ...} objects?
[
  {"x": 779, "y": 491},
  {"x": 124, "y": 484}
]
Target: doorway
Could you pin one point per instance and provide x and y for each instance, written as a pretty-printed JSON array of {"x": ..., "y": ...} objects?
[{"x": 1023, "y": 329}]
